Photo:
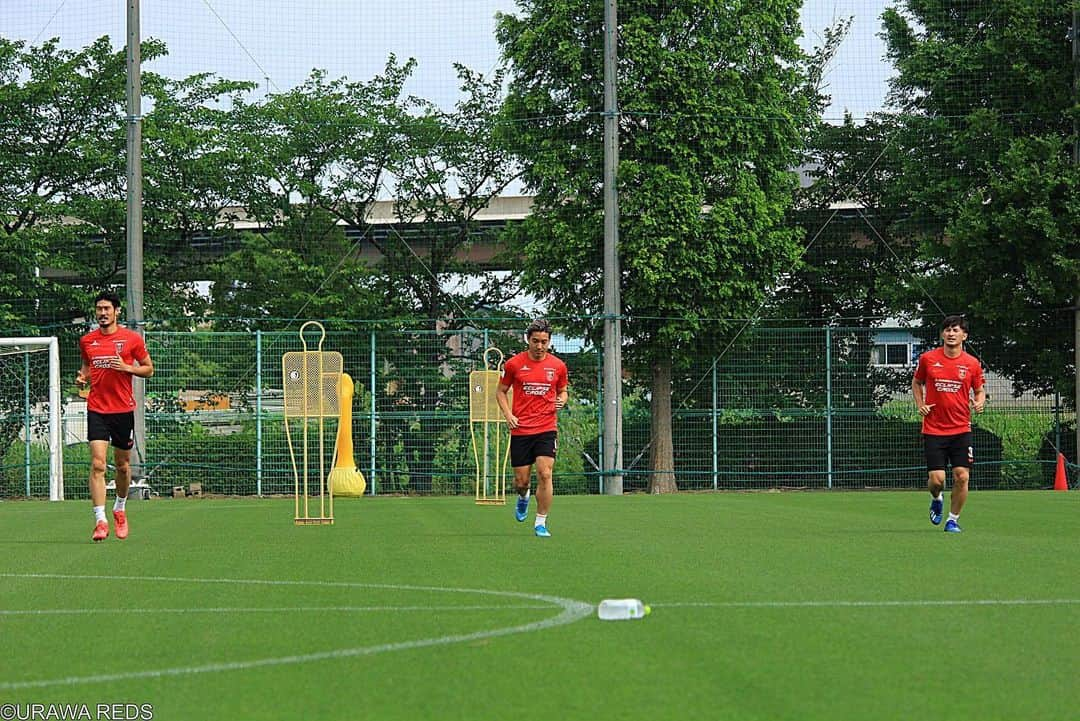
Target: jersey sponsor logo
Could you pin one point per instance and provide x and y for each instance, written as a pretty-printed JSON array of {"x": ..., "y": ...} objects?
[
  {"x": 942, "y": 385},
  {"x": 535, "y": 389},
  {"x": 104, "y": 362}
]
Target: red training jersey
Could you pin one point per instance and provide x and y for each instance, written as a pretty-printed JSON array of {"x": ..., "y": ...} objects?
[
  {"x": 948, "y": 386},
  {"x": 535, "y": 385},
  {"x": 110, "y": 390}
]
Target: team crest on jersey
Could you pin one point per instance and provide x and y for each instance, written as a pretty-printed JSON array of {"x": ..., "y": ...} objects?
[
  {"x": 550, "y": 373},
  {"x": 119, "y": 346},
  {"x": 962, "y": 370}
]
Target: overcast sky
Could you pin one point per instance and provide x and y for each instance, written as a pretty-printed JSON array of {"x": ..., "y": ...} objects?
[{"x": 276, "y": 43}]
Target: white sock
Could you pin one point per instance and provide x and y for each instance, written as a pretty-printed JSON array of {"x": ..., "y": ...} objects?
[
  {"x": 99, "y": 513},
  {"x": 525, "y": 495},
  {"x": 540, "y": 521},
  {"x": 954, "y": 516},
  {"x": 120, "y": 503},
  {"x": 937, "y": 497}
]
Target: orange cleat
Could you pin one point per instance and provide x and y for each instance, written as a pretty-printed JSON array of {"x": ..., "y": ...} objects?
[
  {"x": 120, "y": 517},
  {"x": 101, "y": 531}
]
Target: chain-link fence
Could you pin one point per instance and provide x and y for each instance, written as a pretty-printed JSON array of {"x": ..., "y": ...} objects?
[{"x": 777, "y": 408}]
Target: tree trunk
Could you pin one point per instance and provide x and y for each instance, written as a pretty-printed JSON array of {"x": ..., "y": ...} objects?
[{"x": 661, "y": 449}]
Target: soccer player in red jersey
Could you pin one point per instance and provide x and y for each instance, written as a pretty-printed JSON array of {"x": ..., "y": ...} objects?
[
  {"x": 111, "y": 355},
  {"x": 947, "y": 383},
  {"x": 540, "y": 382}
]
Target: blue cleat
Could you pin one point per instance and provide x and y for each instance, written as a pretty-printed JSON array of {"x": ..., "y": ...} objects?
[
  {"x": 953, "y": 527},
  {"x": 935, "y": 511},
  {"x": 542, "y": 532},
  {"x": 521, "y": 512}
]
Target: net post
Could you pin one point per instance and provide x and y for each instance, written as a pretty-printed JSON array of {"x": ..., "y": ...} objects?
[{"x": 56, "y": 446}]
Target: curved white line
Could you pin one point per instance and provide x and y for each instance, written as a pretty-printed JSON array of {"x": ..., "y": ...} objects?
[{"x": 572, "y": 610}]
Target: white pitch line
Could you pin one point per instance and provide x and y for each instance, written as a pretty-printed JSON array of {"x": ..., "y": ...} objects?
[
  {"x": 572, "y": 610},
  {"x": 255, "y": 609},
  {"x": 872, "y": 604},
  {"x": 275, "y": 582}
]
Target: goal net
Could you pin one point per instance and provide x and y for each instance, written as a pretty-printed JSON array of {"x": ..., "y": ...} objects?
[{"x": 31, "y": 447}]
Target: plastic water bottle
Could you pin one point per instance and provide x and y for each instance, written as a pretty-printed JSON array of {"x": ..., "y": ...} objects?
[{"x": 622, "y": 609}]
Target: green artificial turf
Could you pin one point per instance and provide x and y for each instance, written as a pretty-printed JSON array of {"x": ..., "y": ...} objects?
[{"x": 765, "y": 606}]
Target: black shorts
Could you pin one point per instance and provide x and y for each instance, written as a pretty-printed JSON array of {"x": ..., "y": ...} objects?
[
  {"x": 525, "y": 449},
  {"x": 940, "y": 451},
  {"x": 118, "y": 428}
]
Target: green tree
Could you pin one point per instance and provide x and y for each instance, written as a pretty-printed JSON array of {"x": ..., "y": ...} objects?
[
  {"x": 193, "y": 166},
  {"x": 303, "y": 269},
  {"x": 455, "y": 162},
  {"x": 715, "y": 103},
  {"x": 988, "y": 103},
  {"x": 61, "y": 143},
  {"x": 318, "y": 157},
  {"x": 857, "y": 257},
  {"x": 326, "y": 144},
  {"x": 63, "y": 186},
  {"x": 855, "y": 253}
]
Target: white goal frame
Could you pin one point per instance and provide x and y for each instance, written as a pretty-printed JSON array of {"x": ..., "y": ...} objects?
[{"x": 56, "y": 445}]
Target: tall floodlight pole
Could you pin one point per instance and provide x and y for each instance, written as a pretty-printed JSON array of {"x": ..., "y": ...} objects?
[
  {"x": 134, "y": 217},
  {"x": 613, "y": 460}
]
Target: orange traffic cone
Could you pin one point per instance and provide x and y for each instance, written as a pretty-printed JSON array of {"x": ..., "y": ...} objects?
[{"x": 1061, "y": 482}]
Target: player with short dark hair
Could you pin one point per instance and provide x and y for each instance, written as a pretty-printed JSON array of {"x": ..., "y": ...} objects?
[
  {"x": 947, "y": 381},
  {"x": 540, "y": 382},
  {"x": 111, "y": 355}
]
